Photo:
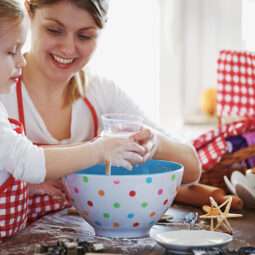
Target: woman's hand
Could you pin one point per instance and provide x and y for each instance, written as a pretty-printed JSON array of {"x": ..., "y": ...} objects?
[
  {"x": 54, "y": 188},
  {"x": 119, "y": 151},
  {"x": 147, "y": 138}
]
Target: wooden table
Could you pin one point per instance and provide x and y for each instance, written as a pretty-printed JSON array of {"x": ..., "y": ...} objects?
[{"x": 61, "y": 225}]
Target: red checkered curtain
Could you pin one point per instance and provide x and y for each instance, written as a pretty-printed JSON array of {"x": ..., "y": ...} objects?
[{"x": 236, "y": 88}]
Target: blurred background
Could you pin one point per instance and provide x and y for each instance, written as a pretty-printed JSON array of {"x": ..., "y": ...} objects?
[{"x": 164, "y": 54}]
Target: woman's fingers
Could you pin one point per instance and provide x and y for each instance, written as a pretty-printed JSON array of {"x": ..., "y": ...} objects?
[{"x": 141, "y": 136}]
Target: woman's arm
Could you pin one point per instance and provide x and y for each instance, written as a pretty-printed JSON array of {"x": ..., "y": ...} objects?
[
  {"x": 159, "y": 146},
  {"x": 183, "y": 153}
]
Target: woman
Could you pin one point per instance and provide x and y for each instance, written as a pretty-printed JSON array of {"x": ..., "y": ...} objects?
[{"x": 60, "y": 103}]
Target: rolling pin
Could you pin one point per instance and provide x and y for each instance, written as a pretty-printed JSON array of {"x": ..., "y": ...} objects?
[{"x": 198, "y": 195}]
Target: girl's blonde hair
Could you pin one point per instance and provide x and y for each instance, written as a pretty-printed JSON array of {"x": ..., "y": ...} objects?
[
  {"x": 98, "y": 10},
  {"x": 11, "y": 10}
]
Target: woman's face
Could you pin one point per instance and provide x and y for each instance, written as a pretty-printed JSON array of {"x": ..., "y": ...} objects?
[
  {"x": 12, "y": 38},
  {"x": 64, "y": 37}
]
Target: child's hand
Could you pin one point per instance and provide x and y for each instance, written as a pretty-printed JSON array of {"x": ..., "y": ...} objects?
[
  {"x": 119, "y": 151},
  {"x": 53, "y": 188},
  {"x": 147, "y": 138}
]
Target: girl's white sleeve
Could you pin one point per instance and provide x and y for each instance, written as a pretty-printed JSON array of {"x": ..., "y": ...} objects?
[{"x": 18, "y": 156}]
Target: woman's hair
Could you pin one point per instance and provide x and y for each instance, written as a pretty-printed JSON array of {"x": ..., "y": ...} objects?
[
  {"x": 98, "y": 10},
  {"x": 11, "y": 10}
]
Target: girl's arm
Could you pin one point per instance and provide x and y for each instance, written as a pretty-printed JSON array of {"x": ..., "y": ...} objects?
[{"x": 62, "y": 161}]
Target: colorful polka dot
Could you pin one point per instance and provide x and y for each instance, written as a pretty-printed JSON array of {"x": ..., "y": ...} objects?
[
  {"x": 165, "y": 202},
  {"x": 116, "y": 205},
  {"x": 101, "y": 193},
  {"x": 132, "y": 193},
  {"x": 144, "y": 204},
  {"x": 90, "y": 203},
  {"x": 116, "y": 181},
  {"x": 86, "y": 213},
  {"x": 130, "y": 215},
  {"x": 152, "y": 222},
  {"x": 149, "y": 180},
  {"x": 97, "y": 223},
  {"x": 173, "y": 177},
  {"x": 76, "y": 190},
  {"x": 160, "y": 191},
  {"x": 152, "y": 214},
  {"x": 116, "y": 224},
  {"x": 106, "y": 215},
  {"x": 136, "y": 224},
  {"x": 85, "y": 179},
  {"x": 72, "y": 200}
]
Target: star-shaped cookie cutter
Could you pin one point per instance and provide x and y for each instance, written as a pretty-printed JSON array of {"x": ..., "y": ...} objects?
[{"x": 214, "y": 212}]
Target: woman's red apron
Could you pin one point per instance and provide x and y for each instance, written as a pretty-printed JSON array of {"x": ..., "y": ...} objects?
[
  {"x": 13, "y": 201},
  {"x": 38, "y": 205}
]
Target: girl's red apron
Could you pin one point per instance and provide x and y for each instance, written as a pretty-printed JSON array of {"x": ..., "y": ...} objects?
[
  {"x": 38, "y": 205},
  {"x": 13, "y": 201}
]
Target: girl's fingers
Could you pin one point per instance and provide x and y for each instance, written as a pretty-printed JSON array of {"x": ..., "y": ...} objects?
[
  {"x": 135, "y": 147},
  {"x": 133, "y": 158},
  {"x": 124, "y": 163}
]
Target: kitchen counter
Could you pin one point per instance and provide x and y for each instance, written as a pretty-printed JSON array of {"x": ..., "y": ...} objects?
[{"x": 61, "y": 225}]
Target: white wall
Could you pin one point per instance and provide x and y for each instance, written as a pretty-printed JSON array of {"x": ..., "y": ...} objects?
[
  {"x": 128, "y": 51},
  {"x": 192, "y": 33}
]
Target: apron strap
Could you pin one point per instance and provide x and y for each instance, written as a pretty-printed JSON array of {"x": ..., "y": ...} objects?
[
  {"x": 20, "y": 104},
  {"x": 21, "y": 109},
  {"x": 94, "y": 115},
  {"x": 18, "y": 126}
]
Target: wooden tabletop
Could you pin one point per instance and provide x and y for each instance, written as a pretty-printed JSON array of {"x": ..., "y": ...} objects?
[{"x": 61, "y": 225}]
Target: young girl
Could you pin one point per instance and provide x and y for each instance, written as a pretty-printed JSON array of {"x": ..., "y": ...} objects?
[{"x": 20, "y": 160}]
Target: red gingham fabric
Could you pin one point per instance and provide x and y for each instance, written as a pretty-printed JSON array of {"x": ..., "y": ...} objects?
[
  {"x": 236, "y": 83},
  {"x": 39, "y": 205},
  {"x": 13, "y": 201},
  {"x": 211, "y": 146},
  {"x": 13, "y": 208}
]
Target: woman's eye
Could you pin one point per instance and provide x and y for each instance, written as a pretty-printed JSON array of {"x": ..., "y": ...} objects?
[
  {"x": 54, "y": 31},
  {"x": 85, "y": 37}
]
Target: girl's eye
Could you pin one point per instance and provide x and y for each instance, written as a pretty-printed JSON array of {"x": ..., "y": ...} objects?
[
  {"x": 11, "y": 53},
  {"x": 54, "y": 31}
]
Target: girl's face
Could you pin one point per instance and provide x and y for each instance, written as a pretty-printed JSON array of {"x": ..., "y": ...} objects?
[
  {"x": 64, "y": 37},
  {"x": 12, "y": 38}
]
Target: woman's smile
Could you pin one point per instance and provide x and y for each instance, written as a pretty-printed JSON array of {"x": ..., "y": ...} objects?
[{"x": 61, "y": 62}]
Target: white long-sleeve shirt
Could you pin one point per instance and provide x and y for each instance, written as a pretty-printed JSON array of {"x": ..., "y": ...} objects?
[
  {"x": 18, "y": 156},
  {"x": 104, "y": 95}
]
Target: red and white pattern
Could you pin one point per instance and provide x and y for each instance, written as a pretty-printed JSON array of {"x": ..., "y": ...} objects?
[
  {"x": 13, "y": 208},
  {"x": 39, "y": 205},
  {"x": 211, "y": 146},
  {"x": 236, "y": 83}
]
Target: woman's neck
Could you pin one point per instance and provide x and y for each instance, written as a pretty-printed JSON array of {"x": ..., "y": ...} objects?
[{"x": 40, "y": 85}]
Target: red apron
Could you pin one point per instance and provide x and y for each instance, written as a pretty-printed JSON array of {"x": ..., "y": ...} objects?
[
  {"x": 13, "y": 201},
  {"x": 38, "y": 205}
]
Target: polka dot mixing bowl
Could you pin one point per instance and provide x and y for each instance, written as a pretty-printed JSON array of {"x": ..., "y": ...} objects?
[{"x": 124, "y": 204}]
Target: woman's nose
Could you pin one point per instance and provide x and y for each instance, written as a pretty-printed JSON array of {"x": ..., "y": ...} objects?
[{"x": 68, "y": 46}]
